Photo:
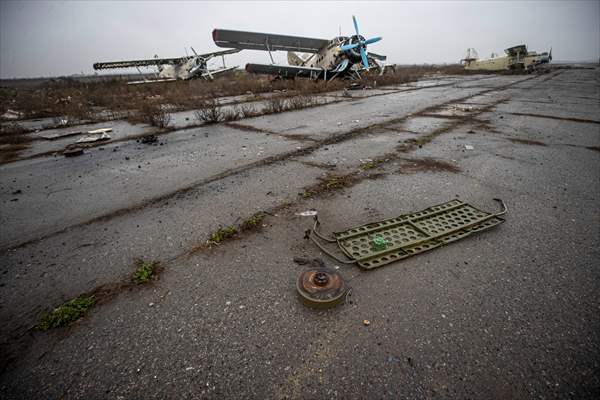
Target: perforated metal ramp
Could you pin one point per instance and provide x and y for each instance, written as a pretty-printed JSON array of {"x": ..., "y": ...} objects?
[{"x": 412, "y": 234}]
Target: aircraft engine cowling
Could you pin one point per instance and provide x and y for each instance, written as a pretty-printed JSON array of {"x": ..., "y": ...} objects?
[{"x": 354, "y": 54}]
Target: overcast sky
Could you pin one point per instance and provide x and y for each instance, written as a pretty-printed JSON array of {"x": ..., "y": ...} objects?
[{"x": 50, "y": 38}]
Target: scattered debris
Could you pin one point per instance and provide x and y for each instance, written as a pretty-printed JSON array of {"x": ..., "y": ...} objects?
[
  {"x": 94, "y": 138},
  {"x": 366, "y": 322}
]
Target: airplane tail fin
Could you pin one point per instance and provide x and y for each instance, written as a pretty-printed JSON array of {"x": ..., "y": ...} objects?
[{"x": 294, "y": 59}]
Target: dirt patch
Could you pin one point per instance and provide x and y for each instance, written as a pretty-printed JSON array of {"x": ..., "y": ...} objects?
[
  {"x": 248, "y": 128},
  {"x": 333, "y": 183},
  {"x": 13, "y": 140},
  {"x": 319, "y": 165},
  {"x": 527, "y": 141},
  {"x": 415, "y": 165},
  {"x": 582, "y": 120}
]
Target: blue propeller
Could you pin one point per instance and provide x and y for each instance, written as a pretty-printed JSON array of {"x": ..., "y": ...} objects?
[{"x": 362, "y": 44}]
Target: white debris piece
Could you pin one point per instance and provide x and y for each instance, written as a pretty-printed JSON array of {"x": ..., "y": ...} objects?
[
  {"x": 101, "y": 130},
  {"x": 307, "y": 213},
  {"x": 12, "y": 114},
  {"x": 469, "y": 147},
  {"x": 94, "y": 138}
]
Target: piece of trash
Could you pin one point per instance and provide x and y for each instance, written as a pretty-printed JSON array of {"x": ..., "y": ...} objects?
[
  {"x": 307, "y": 213},
  {"x": 94, "y": 138},
  {"x": 408, "y": 234},
  {"x": 393, "y": 359},
  {"x": 12, "y": 114},
  {"x": 469, "y": 147},
  {"x": 77, "y": 151},
  {"x": 366, "y": 322},
  {"x": 101, "y": 130},
  {"x": 339, "y": 124}
]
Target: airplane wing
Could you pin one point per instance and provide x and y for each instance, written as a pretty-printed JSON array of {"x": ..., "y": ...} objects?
[
  {"x": 513, "y": 51},
  {"x": 285, "y": 71},
  {"x": 212, "y": 73},
  {"x": 140, "y": 63},
  {"x": 219, "y": 53},
  {"x": 266, "y": 41},
  {"x": 377, "y": 56},
  {"x": 159, "y": 61}
]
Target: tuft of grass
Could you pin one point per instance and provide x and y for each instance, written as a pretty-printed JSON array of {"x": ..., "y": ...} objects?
[
  {"x": 66, "y": 313},
  {"x": 373, "y": 164},
  {"x": 329, "y": 184},
  {"x": 252, "y": 223},
  {"x": 222, "y": 234},
  {"x": 144, "y": 271}
]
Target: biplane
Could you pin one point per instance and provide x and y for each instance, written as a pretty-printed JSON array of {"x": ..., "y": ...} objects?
[
  {"x": 517, "y": 57},
  {"x": 323, "y": 58},
  {"x": 172, "y": 69}
]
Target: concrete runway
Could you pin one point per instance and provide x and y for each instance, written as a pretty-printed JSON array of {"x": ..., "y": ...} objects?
[{"x": 512, "y": 312}]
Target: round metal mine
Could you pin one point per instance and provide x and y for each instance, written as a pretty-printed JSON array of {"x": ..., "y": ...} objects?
[{"x": 321, "y": 288}]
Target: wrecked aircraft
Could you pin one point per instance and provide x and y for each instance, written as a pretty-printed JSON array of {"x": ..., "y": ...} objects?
[
  {"x": 517, "y": 57},
  {"x": 327, "y": 59},
  {"x": 171, "y": 69}
]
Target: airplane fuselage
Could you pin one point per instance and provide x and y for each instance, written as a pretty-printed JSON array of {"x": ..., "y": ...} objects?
[
  {"x": 185, "y": 70},
  {"x": 329, "y": 57}
]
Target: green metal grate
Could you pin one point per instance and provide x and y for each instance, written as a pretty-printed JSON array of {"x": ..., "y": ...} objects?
[{"x": 414, "y": 233}]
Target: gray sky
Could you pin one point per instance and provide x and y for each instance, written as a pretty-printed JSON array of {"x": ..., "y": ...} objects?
[{"x": 50, "y": 38}]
